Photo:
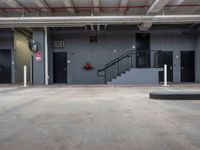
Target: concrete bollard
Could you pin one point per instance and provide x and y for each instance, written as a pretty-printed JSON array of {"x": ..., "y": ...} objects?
[
  {"x": 165, "y": 75},
  {"x": 25, "y": 76}
]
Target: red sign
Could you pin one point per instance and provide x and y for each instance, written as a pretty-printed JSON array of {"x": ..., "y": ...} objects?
[{"x": 38, "y": 56}]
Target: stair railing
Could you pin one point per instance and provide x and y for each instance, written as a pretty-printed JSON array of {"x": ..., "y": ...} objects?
[{"x": 127, "y": 61}]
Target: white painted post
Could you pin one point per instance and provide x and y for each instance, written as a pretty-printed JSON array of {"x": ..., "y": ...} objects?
[
  {"x": 31, "y": 69},
  {"x": 46, "y": 57},
  {"x": 165, "y": 75},
  {"x": 25, "y": 76}
]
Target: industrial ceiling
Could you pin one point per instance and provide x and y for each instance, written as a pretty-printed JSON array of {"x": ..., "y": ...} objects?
[
  {"x": 97, "y": 7},
  {"x": 140, "y": 12}
]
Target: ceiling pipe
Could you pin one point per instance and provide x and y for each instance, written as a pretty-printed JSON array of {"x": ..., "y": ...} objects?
[
  {"x": 92, "y": 27},
  {"x": 93, "y": 7},
  {"x": 95, "y": 20},
  {"x": 98, "y": 27}
]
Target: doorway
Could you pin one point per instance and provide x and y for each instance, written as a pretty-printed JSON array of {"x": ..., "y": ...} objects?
[
  {"x": 5, "y": 66},
  {"x": 166, "y": 57},
  {"x": 142, "y": 50},
  {"x": 60, "y": 67},
  {"x": 187, "y": 66}
]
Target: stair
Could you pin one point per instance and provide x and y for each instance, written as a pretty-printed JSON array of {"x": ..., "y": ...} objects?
[
  {"x": 133, "y": 75},
  {"x": 137, "y": 76}
]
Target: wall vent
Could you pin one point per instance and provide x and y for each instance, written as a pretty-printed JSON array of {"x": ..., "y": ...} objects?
[
  {"x": 58, "y": 44},
  {"x": 93, "y": 39}
]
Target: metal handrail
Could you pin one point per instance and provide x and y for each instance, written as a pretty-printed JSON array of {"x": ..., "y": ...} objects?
[
  {"x": 120, "y": 58},
  {"x": 113, "y": 62},
  {"x": 117, "y": 61}
]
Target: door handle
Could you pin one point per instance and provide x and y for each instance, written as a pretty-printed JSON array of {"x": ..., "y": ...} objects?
[
  {"x": 182, "y": 68},
  {"x": 65, "y": 69},
  {"x": 171, "y": 68}
]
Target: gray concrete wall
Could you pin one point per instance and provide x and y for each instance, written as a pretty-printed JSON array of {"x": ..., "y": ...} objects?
[
  {"x": 197, "y": 58},
  {"x": 7, "y": 42},
  {"x": 80, "y": 51},
  {"x": 98, "y": 54},
  {"x": 38, "y": 65},
  {"x": 22, "y": 57},
  {"x": 17, "y": 43},
  {"x": 173, "y": 40}
]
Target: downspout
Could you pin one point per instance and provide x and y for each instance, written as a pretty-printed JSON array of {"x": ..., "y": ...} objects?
[{"x": 46, "y": 56}]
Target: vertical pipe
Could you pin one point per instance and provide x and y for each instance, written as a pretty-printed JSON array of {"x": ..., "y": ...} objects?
[
  {"x": 46, "y": 57},
  {"x": 98, "y": 28},
  {"x": 31, "y": 70},
  {"x": 118, "y": 67},
  {"x": 105, "y": 77},
  {"x": 165, "y": 75},
  {"x": 131, "y": 60},
  {"x": 92, "y": 27},
  {"x": 25, "y": 76}
]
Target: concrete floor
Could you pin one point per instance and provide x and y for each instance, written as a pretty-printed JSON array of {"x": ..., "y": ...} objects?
[{"x": 96, "y": 118}]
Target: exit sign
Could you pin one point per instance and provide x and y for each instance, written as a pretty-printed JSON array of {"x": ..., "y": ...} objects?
[{"x": 38, "y": 56}]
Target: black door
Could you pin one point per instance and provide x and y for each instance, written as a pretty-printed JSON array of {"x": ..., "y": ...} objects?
[
  {"x": 187, "y": 66},
  {"x": 5, "y": 66},
  {"x": 60, "y": 67},
  {"x": 143, "y": 50},
  {"x": 166, "y": 57}
]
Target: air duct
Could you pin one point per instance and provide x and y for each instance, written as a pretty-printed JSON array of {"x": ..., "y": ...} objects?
[{"x": 95, "y": 20}]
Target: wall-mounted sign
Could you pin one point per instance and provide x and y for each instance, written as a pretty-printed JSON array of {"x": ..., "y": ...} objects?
[{"x": 38, "y": 56}]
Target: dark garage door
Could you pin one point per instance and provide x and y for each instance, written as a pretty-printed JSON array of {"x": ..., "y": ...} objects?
[{"x": 5, "y": 66}]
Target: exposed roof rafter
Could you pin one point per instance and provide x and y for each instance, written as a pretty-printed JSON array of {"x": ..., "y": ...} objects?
[
  {"x": 123, "y": 3},
  {"x": 3, "y": 11},
  {"x": 14, "y": 4},
  {"x": 157, "y": 6},
  {"x": 96, "y": 5},
  {"x": 41, "y": 3},
  {"x": 69, "y": 3},
  {"x": 178, "y": 2}
]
